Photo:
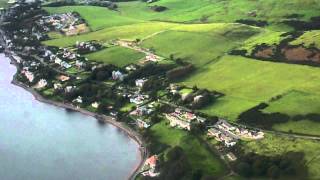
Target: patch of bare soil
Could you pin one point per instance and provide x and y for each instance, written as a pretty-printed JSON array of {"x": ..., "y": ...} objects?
[
  {"x": 288, "y": 53},
  {"x": 267, "y": 52},
  {"x": 301, "y": 54}
]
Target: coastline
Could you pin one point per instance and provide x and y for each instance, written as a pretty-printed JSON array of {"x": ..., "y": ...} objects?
[{"x": 106, "y": 119}]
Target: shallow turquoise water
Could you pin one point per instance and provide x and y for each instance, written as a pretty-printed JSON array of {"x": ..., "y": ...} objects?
[{"x": 42, "y": 142}]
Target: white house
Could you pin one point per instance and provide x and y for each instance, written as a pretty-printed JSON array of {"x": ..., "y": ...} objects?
[
  {"x": 78, "y": 100},
  {"x": 95, "y": 105},
  {"x": 42, "y": 83},
  {"x": 140, "y": 82},
  {"x": 117, "y": 75}
]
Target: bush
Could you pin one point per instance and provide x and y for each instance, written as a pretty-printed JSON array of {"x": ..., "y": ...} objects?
[
  {"x": 179, "y": 72},
  {"x": 289, "y": 165},
  {"x": 252, "y": 22}
]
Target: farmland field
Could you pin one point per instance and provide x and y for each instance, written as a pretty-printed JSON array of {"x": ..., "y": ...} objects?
[
  {"x": 116, "y": 55},
  {"x": 96, "y": 17},
  {"x": 297, "y": 104},
  {"x": 3, "y": 3},
  {"x": 253, "y": 81},
  {"x": 202, "y": 44},
  {"x": 129, "y": 32},
  {"x": 221, "y": 11}
]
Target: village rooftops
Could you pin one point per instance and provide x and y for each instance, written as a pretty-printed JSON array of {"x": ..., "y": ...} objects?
[
  {"x": 41, "y": 84},
  {"x": 63, "y": 78},
  {"x": 143, "y": 123},
  {"x": 117, "y": 75},
  {"x": 231, "y": 156},
  {"x": 181, "y": 119},
  {"x": 152, "y": 161},
  {"x": 141, "y": 82},
  {"x": 223, "y": 124}
]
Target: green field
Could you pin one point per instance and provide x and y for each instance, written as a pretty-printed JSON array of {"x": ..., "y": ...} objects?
[
  {"x": 222, "y": 11},
  {"x": 116, "y": 55},
  {"x": 3, "y": 3},
  {"x": 96, "y": 17},
  {"x": 275, "y": 145},
  {"x": 202, "y": 44},
  {"x": 129, "y": 32},
  {"x": 198, "y": 155},
  {"x": 293, "y": 104},
  {"x": 309, "y": 38},
  {"x": 266, "y": 37},
  {"x": 245, "y": 81}
]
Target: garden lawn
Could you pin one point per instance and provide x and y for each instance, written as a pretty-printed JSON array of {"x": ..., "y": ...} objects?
[
  {"x": 198, "y": 155},
  {"x": 55, "y": 35},
  {"x": 116, "y": 55},
  {"x": 249, "y": 81},
  {"x": 275, "y": 145}
]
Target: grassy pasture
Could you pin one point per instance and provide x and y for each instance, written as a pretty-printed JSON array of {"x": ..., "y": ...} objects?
[
  {"x": 199, "y": 44},
  {"x": 293, "y": 104},
  {"x": 247, "y": 81},
  {"x": 96, "y": 17},
  {"x": 296, "y": 103},
  {"x": 198, "y": 155},
  {"x": 275, "y": 145},
  {"x": 308, "y": 39},
  {"x": 266, "y": 37},
  {"x": 116, "y": 55},
  {"x": 129, "y": 32},
  {"x": 3, "y": 3},
  {"x": 221, "y": 11}
]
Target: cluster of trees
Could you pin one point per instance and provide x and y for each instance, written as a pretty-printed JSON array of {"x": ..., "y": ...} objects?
[
  {"x": 102, "y": 73},
  {"x": 102, "y": 3},
  {"x": 157, "y": 8},
  {"x": 252, "y": 22},
  {"x": 299, "y": 25},
  {"x": 289, "y": 166},
  {"x": 278, "y": 52},
  {"x": 176, "y": 166},
  {"x": 180, "y": 72},
  {"x": 255, "y": 117},
  {"x": 150, "y": 69}
]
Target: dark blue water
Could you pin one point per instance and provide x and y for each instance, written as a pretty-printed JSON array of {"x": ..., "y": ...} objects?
[{"x": 42, "y": 142}]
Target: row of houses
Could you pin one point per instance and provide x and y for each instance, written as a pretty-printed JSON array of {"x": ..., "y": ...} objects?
[
  {"x": 86, "y": 47},
  {"x": 230, "y": 134},
  {"x": 222, "y": 136},
  {"x": 183, "y": 119},
  {"x": 65, "y": 58},
  {"x": 61, "y": 22}
]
